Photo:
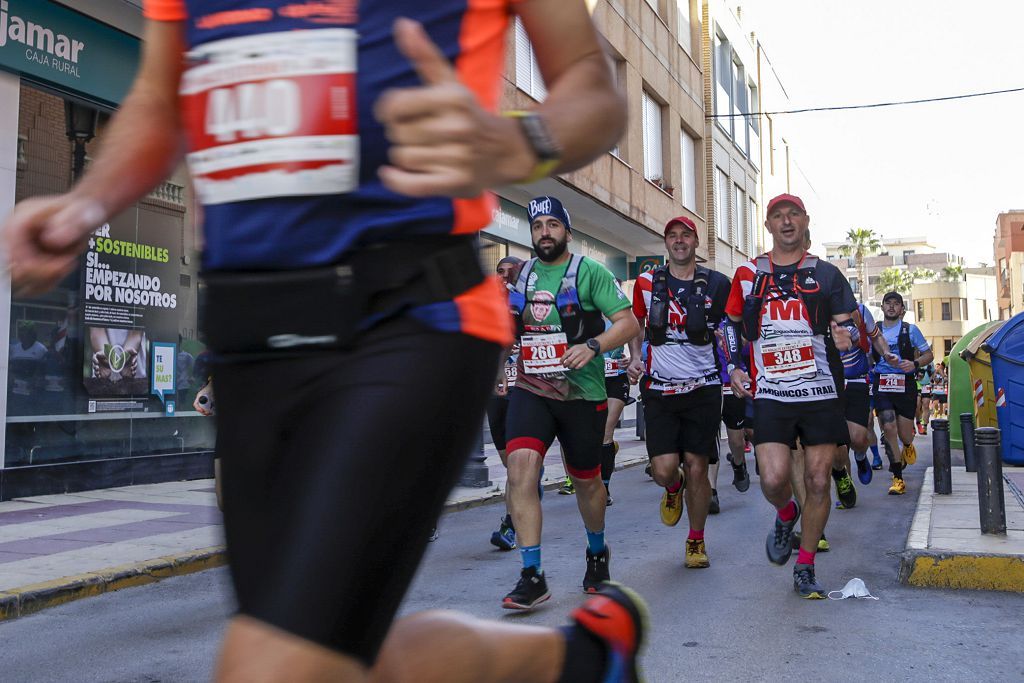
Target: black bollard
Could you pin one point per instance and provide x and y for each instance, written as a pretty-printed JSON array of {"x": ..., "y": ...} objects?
[
  {"x": 475, "y": 474},
  {"x": 990, "y": 481},
  {"x": 941, "y": 463},
  {"x": 967, "y": 436}
]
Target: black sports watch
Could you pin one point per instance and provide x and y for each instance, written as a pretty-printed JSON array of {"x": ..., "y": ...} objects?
[
  {"x": 594, "y": 346},
  {"x": 917, "y": 366}
]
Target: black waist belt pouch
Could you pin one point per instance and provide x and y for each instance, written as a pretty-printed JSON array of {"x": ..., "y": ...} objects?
[{"x": 266, "y": 313}]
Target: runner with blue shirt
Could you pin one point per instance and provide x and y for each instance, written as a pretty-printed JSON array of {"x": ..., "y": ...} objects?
[{"x": 895, "y": 388}]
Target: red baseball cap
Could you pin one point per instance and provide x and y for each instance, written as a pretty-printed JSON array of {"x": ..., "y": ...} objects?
[
  {"x": 782, "y": 198},
  {"x": 683, "y": 221}
]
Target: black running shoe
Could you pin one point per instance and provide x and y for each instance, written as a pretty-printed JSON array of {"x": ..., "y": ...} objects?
[
  {"x": 530, "y": 591},
  {"x": 714, "y": 507},
  {"x": 805, "y": 584},
  {"x": 778, "y": 545},
  {"x": 597, "y": 570},
  {"x": 741, "y": 477},
  {"x": 846, "y": 492}
]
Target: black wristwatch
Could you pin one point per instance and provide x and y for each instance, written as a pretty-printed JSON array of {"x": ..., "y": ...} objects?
[
  {"x": 594, "y": 346},
  {"x": 917, "y": 366}
]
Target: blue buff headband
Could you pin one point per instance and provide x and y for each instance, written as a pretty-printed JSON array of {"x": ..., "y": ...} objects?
[{"x": 549, "y": 206}]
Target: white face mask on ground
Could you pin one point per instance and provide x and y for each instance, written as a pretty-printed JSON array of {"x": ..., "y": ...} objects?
[{"x": 854, "y": 588}]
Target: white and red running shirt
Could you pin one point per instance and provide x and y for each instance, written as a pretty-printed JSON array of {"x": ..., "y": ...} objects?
[{"x": 790, "y": 362}]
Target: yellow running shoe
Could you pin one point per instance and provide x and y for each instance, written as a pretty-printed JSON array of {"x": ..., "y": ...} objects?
[
  {"x": 909, "y": 454},
  {"x": 899, "y": 487},
  {"x": 696, "y": 554},
  {"x": 823, "y": 544},
  {"x": 672, "y": 504}
]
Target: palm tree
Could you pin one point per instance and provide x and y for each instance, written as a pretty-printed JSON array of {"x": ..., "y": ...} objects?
[
  {"x": 861, "y": 242},
  {"x": 953, "y": 273},
  {"x": 894, "y": 280}
]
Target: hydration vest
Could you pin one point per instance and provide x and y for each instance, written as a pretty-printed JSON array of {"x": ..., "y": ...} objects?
[
  {"x": 765, "y": 288},
  {"x": 904, "y": 346},
  {"x": 578, "y": 325},
  {"x": 696, "y": 326}
]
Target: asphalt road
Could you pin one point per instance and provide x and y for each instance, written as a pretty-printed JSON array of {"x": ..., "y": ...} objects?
[{"x": 737, "y": 620}]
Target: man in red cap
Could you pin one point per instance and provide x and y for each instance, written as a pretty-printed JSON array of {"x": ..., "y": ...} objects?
[
  {"x": 796, "y": 311},
  {"x": 681, "y": 305}
]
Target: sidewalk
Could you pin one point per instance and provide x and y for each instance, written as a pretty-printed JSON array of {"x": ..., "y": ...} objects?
[
  {"x": 59, "y": 548},
  {"x": 945, "y": 547}
]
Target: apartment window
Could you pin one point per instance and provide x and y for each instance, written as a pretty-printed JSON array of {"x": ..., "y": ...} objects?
[
  {"x": 752, "y": 227},
  {"x": 963, "y": 310},
  {"x": 683, "y": 24},
  {"x": 528, "y": 76},
  {"x": 739, "y": 106},
  {"x": 906, "y": 255},
  {"x": 983, "y": 308},
  {"x": 947, "y": 344},
  {"x": 688, "y": 149},
  {"x": 920, "y": 311},
  {"x": 619, "y": 77},
  {"x": 22, "y": 141},
  {"x": 753, "y": 123},
  {"x": 740, "y": 221},
  {"x": 947, "y": 311},
  {"x": 654, "y": 169},
  {"x": 723, "y": 88},
  {"x": 721, "y": 205},
  {"x": 873, "y": 280}
]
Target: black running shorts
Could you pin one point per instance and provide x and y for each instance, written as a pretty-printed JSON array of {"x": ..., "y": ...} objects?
[
  {"x": 535, "y": 421},
  {"x": 617, "y": 387},
  {"x": 684, "y": 423},
  {"x": 813, "y": 422},
  {"x": 857, "y": 403},
  {"x": 734, "y": 412},
  {"x": 323, "y": 454},
  {"x": 904, "y": 403},
  {"x": 497, "y": 411}
]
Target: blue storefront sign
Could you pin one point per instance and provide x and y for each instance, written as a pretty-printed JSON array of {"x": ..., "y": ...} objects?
[{"x": 62, "y": 48}]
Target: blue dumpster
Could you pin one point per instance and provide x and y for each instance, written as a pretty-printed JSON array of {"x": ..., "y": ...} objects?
[{"x": 1006, "y": 348}]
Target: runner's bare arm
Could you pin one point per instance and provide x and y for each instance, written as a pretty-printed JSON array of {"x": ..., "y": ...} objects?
[
  {"x": 636, "y": 363},
  {"x": 623, "y": 329},
  {"x": 142, "y": 145}
]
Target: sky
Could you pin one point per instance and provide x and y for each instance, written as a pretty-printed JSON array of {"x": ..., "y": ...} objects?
[{"x": 943, "y": 170}]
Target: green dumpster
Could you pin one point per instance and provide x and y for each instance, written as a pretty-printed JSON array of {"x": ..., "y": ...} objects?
[{"x": 961, "y": 388}]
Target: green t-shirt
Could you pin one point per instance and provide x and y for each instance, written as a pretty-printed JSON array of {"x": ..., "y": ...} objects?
[{"x": 597, "y": 292}]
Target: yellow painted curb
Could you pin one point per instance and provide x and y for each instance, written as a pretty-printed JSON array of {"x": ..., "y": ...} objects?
[
  {"x": 19, "y": 602},
  {"x": 978, "y": 572}
]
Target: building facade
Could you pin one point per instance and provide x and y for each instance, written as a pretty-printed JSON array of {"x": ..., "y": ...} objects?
[
  {"x": 947, "y": 310},
  {"x": 1008, "y": 248}
]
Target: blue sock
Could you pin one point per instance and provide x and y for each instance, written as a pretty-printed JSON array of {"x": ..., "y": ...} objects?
[
  {"x": 595, "y": 539},
  {"x": 531, "y": 556},
  {"x": 874, "y": 451}
]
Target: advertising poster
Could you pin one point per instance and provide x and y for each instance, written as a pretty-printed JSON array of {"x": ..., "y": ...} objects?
[{"x": 129, "y": 307}]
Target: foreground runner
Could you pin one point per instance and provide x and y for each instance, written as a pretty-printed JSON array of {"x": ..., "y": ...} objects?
[
  {"x": 734, "y": 417},
  {"x": 681, "y": 305},
  {"x": 940, "y": 391},
  {"x": 796, "y": 310},
  {"x": 344, "y": 285},
  {"x": 497, "y": 408},
  {"x": 895, "y": 389},
  {"x": 559, "y": 301}
]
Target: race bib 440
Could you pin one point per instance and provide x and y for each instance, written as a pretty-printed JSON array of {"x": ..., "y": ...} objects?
[{"x": 273, "y": 115}]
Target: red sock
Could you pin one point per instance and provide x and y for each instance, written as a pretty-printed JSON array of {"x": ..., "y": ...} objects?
[
  {"x": 696, "y": 535},
  {"x": 788, "y": 512},
  {"x": 675, "y": 487},
  {"x": 804, "y": 557}
]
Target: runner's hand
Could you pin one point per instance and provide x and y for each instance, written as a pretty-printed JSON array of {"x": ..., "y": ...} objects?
[
  {"x": 502, "y": 388},
  {"x": 842, "y": 337},
  {"x": 906, "y": 366},
  {"x": 740, "y": 380},
  {"x": 635, "y": 370},
  {"x": 577, "y": 357},
  {"x": 44, "y": 236},
  {"x": 443, "y": 143}
]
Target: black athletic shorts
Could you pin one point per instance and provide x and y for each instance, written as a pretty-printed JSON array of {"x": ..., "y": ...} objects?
[
  {"x": 321, "y": 455},
  {"x": 813, "y": 422},
  {"x": 941, "y": 398},
  {"x": 857, "y": 403},
  {"x": 734, "y": 411},
  {"x": 904, "y": 404},
  {"x": 617, "y": 387},
  {"x": 497, "y": 411},
  {"x": 684, "y": 423},
  {"x": 535, "y": 421}
]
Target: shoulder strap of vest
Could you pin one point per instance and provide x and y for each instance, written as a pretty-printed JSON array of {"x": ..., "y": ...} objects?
[
  {"x": 701, "y": 277},
  {"x": 573, "y": 271},
  {"x": 763, "y": 264},
  {"x": 524, "y": 276},
  {"x": 810, "y": 262}
]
